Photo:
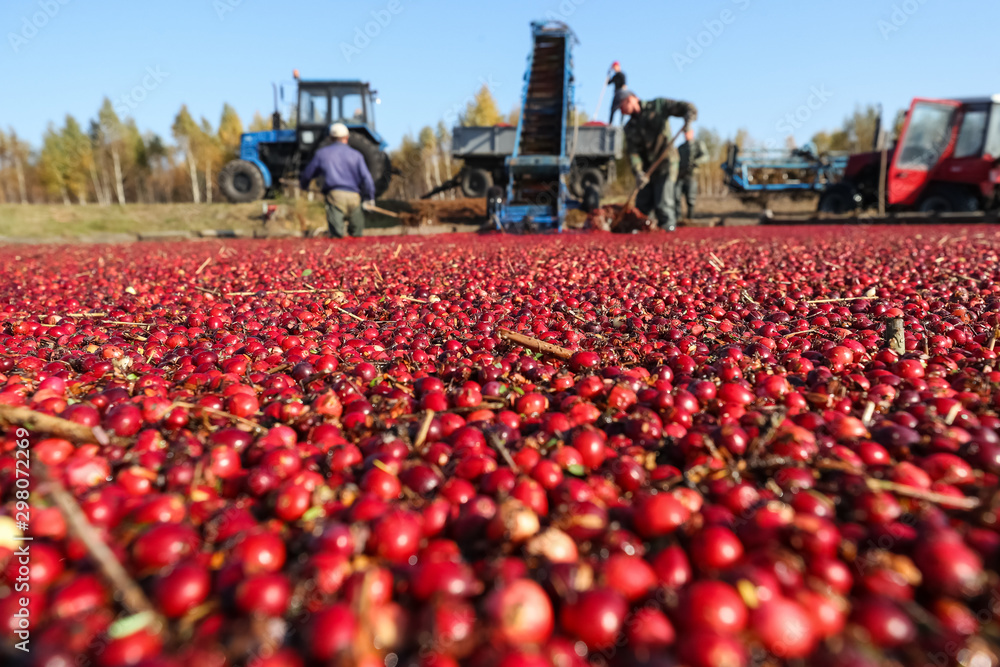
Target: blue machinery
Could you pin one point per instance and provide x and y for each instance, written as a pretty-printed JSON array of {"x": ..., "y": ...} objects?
[
  {"x": 536, "y": 188},
  {"x": 756, "y": 171}
]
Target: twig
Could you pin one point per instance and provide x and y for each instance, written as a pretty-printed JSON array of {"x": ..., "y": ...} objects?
[
  {"x": 378, "y": 274},
  {"x": 131, "y": 324},
  {"x": 894, "y": 336},
  {"x": 413, "y": 299},
  {"x": 774, "y": 423},
  {"x": 844, "y": 298},
  {"x": 283, "y": 291},
  {"x": 994, "y": 336},
  {"x": 221, "y": 413},
  {"x": 425, "y": 426},
  {"x": 132, "y": 597},
  {"x": 535, "y": 344},
  {"x": 87, "y": 315},
  {"x": 866, "y": 418},
  {"x": 203, "y": 265},
  {"x": 205, "y": 290},
  {"x": 57, "y": 426},
  {"x": 498, "y": 444},
  {"x": 922, "y": 494},
  {"x": 398, "y": 248},
  {"x": 347, "y": 312},
  {"x": 798, "y": 333}
]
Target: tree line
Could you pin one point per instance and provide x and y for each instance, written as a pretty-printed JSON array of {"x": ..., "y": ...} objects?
[{"x": 108, "y": 160}]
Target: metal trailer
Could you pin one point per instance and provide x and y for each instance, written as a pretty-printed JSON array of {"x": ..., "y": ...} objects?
[
  {"x": 538, "y": 169},
  {"x": 484, "y": 150},
  {"x": 756, "y": 172}
]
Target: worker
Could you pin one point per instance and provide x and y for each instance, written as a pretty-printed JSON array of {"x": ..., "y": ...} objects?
[
  {"x": 648, "y": 141},
  {"x": 617, "y": 77},
  {"x": 346, "y": 182},
  {"x": 692, "y": 154}
]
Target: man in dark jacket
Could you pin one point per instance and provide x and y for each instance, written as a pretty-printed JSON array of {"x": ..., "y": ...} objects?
[
  {"x": 647, "y": 139},
  {"x": 346, "y": 181},
  {"x": 617, "y": 77},
  {"x": 693, "y": 154}
]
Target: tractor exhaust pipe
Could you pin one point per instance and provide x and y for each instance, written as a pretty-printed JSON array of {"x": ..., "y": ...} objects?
[{"x": 276, "y": 116}]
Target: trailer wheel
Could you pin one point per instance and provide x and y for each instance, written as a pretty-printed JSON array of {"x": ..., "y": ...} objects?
[
  {"x": 586, "y": 178},
  {"x": 476, "y": 183},
  {"x": 839, "y": 198},
  {"x": 945, "y": 199},
  {"x": 241, "y": 182}
]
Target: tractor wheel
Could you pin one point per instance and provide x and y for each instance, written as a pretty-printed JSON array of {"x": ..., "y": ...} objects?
[
  {"x": 946, "y": 199},
  {"x": 839, "y": 198},
  {"x": 376, "y": 159},
  {"x": 586, "y": 178},
  {"x": 476, "y": 183},
  {"x": 241, "y": 182}
]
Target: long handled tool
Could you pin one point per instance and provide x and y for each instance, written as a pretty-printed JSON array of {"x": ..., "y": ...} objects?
[
  {"x": 601, "y": 98},
  {"x": 375, "y": 209},
  {"x": 649, "y": 174}
]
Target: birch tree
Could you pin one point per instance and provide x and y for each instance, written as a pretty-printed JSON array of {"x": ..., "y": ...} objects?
[{"x": 186, "y": 133}]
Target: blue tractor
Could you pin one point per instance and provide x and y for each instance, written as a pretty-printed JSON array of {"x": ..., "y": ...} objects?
[{"x": 267, "y": 159}]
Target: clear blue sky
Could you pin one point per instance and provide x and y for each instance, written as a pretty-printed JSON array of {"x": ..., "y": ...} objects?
[{"x": 766, "y": 59}]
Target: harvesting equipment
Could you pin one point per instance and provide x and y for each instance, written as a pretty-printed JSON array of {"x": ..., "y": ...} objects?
[
  {"x": 946, "y": 160},
  {"x": 757, "y": 173},
  {"x": 270, "y": 157},
  {"x": 484, "y": 152},
  {"x": 528, "y": 173}
]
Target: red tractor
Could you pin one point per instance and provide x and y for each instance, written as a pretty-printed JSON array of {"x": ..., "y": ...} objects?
[{"x": 947, "y": 159}]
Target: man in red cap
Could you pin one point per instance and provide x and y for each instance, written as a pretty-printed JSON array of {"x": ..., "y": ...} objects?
[{"x": 617, "y": 77}]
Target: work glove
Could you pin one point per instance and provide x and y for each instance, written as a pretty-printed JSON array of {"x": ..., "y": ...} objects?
[
  {"x": 368, "y": 205},
  {"x": 641, "y": 179}
]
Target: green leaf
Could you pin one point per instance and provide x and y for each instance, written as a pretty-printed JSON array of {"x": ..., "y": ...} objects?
[
  {"x": 576, "y": 470},
  {"x": 519, "y": 391},
  {"x": 130, "y": 290},
  {"x": 307, "y": 272},
  {"x": 129, "y": 625},
  {"x": 313, "y": 513},
  {"x": 132, "y": 376}
]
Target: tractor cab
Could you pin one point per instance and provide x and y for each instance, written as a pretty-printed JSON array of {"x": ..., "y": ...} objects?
[
  {"x": 322, "y": 103},
  {"x": 272, "y": 159},
  {"x": 946, "y": 159},
  {"x": 945, "y": 155}
]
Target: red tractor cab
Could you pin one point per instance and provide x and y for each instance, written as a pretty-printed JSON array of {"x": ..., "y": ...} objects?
[{"x": 947, "y": 159}]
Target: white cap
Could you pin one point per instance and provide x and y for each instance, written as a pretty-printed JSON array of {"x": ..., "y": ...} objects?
[{"x": 338, "y": 131}]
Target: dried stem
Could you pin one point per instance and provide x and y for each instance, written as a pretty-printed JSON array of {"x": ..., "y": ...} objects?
[
  {"x": 425, "y": 426},
  {"x": 221, "y": 413},
  {"x": 132, "y": 597},
  {"x": 535, "y": 344},
  {"x": 922, "y": 494},
  {"x": 57, "y": 426}
]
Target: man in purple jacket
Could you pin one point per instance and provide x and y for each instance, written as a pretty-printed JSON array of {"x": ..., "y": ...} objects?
[{"x": 346, "y": 180}]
